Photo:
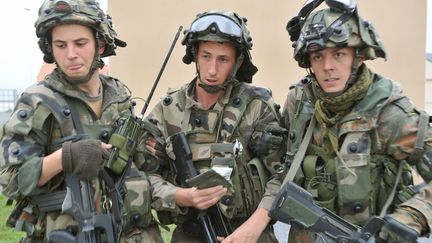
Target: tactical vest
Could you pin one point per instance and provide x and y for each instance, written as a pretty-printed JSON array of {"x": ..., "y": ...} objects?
[
  {"x": 54, "y": 109},
  {"x": 207, "y": 128},
  {"x": 359, "y": 188}
]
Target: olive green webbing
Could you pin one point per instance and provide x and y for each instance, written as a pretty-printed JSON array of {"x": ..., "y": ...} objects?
[
  {"x": 393, "y": 192},
  {"x": 298, "y": 158}
]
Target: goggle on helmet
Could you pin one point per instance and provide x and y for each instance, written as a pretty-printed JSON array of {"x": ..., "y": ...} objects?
[
  {"x": 337, "y": 26},
  {"x": 83, "y": 12},
  {"x": 220, "y": 26}
]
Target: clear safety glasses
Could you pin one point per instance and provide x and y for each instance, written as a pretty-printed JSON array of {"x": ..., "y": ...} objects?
[{"x": 223, "y": 24}]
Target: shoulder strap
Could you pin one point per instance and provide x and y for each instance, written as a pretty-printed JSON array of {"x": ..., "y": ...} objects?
[
  {"x": 298, "y": 158},
  {"x": 418, "y": 152}
]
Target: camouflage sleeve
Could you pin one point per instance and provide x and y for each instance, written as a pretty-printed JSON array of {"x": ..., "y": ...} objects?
[
  {"x": 397, "y": 134},
  {"x": 288, "y": 108},
  {"x": 23, "y": 142},
  {"x": 163, "y": 192},
  {"x": 261, "y": 113}
]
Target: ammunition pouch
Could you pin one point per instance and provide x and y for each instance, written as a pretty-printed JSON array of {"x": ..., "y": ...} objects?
[
  {"x": 137, "y": 205},
  {"x": 388, "y": 176},
  {"x": 354, "y": 180}
]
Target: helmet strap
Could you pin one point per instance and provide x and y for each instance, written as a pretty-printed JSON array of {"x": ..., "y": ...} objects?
[{"x": 354, "y": 68}]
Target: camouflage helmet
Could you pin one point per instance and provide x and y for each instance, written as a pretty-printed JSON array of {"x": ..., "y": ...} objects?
[
  {"x": 83, "y": 12},
  {"x": 221, "y": 26},
  {"x": 334, "y": 28}
]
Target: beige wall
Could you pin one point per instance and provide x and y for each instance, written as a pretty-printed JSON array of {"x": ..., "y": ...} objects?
[
  {"x": 428, "y": 88},
  {"x": 149, "y": 28}
]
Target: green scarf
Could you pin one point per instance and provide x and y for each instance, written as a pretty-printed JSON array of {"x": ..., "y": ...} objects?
[{"x": 330, "y": 108}]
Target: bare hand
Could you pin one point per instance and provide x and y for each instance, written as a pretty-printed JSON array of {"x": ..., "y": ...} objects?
[
  {"x": 150, "y": 145},
  {"x": 200, "y": 198}
]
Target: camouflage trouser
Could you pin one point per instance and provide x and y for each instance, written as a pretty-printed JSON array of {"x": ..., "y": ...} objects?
[
  {"x": 151, "y": 234},
  {"x": 179, "y": 236}
]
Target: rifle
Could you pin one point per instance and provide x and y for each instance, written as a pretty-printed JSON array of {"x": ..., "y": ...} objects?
[
  {"x": 293, "y": 204},
  {"x": 213, "y": 222},
  {"x": 78, "y": 201}
]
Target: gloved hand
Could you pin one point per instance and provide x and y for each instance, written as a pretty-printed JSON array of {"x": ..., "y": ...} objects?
[
  {"x": 155, "y": 152},
  {"x": 265, "y": 139},
  {"x": 404, "y": 225},
  {"x": 84, "y": 158}
]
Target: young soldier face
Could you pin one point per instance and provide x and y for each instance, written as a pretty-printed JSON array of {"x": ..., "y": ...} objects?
[
  {"x": 73, "y": 49},
  {"x": 215, "y": 61},
  {"x": 332, "y": 67}
]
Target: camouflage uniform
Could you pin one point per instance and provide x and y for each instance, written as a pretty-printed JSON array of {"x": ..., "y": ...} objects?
[
  {"x": 46, "y": 115},
  {"x": 40, "y": 119},
  {"x": 203, "y": 130},
  {"x": 368, "y": 135},
  {"x": 244, "y": 112},
  {"x": 369, "y": 138}
]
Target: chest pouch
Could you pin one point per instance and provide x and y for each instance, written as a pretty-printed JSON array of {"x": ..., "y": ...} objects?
[
  {"x": 320, "y": 180},
  {"x": 355, "y": 190},
  {"x": 137, "y": 208},
  {"x": 223, "y": 161},
  {"x": 202, "y": 123}
]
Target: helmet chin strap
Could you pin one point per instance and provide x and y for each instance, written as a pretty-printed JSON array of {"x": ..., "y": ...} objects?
[
  {"x": 213, "y": 89},
  {"x": 354, "y": 68}
]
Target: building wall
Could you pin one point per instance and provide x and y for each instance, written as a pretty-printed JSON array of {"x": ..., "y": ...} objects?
[
  {"x": 428, "y": 87},
  {"x": 149, "y": 28}
]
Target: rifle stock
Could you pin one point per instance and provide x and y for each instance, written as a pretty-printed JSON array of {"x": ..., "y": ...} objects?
[
  {"x": 295, "y": 205},
  {"x": 212, "y": 221}
]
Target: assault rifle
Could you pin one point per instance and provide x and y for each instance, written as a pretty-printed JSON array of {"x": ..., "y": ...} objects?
[
  {"x": 79, "y": 203},
  {"x": 294, "y": 205},
  {"x": 213, "y": 222},
  {"x": 78, "y": 198}
]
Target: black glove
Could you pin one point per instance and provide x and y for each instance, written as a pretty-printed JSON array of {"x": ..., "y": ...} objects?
[
  {"x": 264, "y": 141},
  {"x": 84, "y": 158},
  {"x": 156, "y": 157}
]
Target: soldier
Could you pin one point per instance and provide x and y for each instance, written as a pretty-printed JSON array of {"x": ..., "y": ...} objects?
[
  {"x": 367, "y": 135},
  {"x": 218, "y": 107},
  {"x": 60, "y": 128}
]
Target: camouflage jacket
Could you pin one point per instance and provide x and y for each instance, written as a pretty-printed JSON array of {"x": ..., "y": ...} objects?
[
  {"x": 39, "y": 121},
  {"x": 244, "y": 109},
  {"x": 374, "y": 137}
]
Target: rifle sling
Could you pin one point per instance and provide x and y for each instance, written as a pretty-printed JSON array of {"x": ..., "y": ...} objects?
[{"x": 298, "y": 158}]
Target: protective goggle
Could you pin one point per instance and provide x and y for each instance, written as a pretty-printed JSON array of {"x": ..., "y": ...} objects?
[
  {"x": 216, "y": 23},
  {"x": 347, "y": 7}
]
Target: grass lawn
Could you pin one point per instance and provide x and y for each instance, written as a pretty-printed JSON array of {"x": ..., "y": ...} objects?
[{"x": 8, "y": 235}]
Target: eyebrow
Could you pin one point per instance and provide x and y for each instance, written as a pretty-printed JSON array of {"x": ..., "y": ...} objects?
[{"x": 76, "y": 40}]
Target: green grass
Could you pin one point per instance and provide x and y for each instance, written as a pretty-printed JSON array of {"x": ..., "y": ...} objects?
[{"x": 8, "y": 235}]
